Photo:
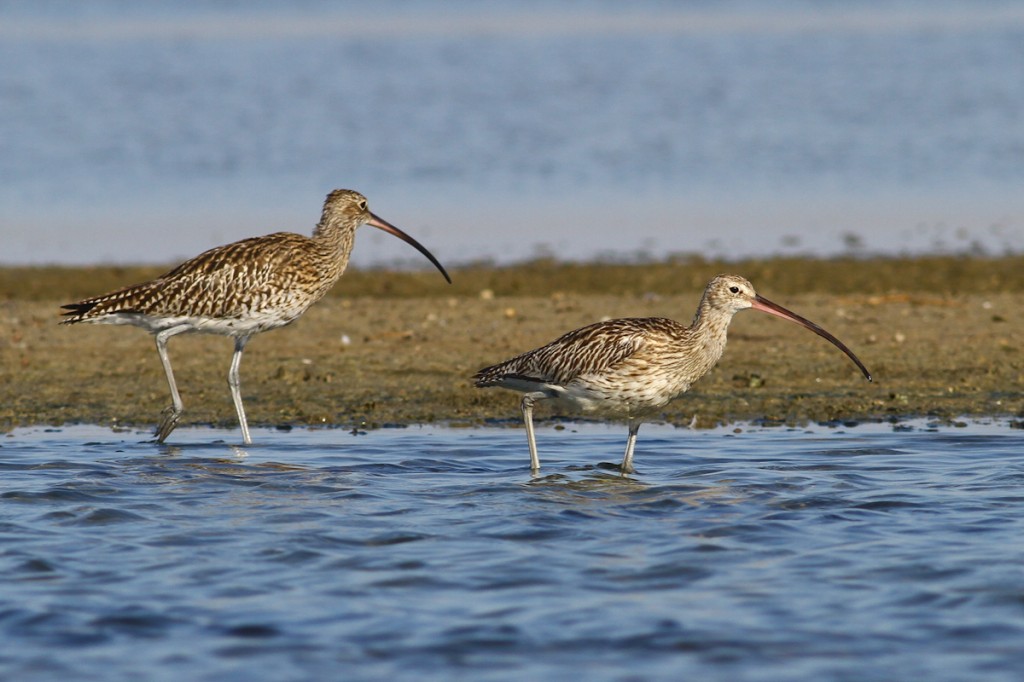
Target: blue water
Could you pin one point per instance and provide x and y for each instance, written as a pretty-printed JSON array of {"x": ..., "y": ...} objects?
[
  {"x": 147, "y": 132},
  {"x": 843, "y": 553}
]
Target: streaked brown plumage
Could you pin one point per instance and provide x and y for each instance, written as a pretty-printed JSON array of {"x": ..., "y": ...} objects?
[
  {"x": 634, "y": 366},
  {"x": 240, "y": 289}
]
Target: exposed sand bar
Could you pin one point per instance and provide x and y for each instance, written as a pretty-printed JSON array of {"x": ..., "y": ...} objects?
[{"x": 942, "y": 336}]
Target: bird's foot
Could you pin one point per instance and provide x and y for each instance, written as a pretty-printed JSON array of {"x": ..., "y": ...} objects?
[
  {"x": 167, "y": 423},
  {"x": 611, "y": 466}
]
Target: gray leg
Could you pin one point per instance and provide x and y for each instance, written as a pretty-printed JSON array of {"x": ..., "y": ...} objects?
[
  {"x": 527, "y": 407},
  {"x": 627, "y": 460},
  {"x": 172, "y": 413},
  {"x": 236, "y": 391}
]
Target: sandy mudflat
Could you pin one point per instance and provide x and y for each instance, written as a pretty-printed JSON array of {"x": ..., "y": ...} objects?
[{"x": 943, "y": 337}]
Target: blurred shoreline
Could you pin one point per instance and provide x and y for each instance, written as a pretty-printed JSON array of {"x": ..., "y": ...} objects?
[{"x": 632, "y": 224}]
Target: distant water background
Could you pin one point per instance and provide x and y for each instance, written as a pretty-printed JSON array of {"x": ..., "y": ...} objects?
[{"x": 136, "y": 132}]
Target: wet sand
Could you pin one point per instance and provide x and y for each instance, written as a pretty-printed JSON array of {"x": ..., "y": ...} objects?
[{"x": 942, "y": 337}]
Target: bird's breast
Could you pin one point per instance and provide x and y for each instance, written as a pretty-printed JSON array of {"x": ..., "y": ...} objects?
[{"x": 633, "y": 389}]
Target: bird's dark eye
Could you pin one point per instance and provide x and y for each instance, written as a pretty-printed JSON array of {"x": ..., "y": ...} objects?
[
  {"x": 362, "y": 204},
  {"x": 734, "y": 289}
]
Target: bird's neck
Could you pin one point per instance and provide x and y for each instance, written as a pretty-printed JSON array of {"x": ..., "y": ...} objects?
[
  {"x": 333, "y": 240},
  {"x": 335, "y": 236},
  {"x": 708, "y": 330}
]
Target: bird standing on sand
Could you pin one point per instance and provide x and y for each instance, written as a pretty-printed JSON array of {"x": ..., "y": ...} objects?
[
  {"x": 240, "y": 289},
  {"x": 634, "y": 366}
]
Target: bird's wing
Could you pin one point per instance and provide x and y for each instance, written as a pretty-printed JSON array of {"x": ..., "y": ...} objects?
[
  {"x": 592, "y": 349},
  {"x": 217, "y": 283}
]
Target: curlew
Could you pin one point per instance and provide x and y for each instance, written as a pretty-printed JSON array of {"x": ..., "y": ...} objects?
[
  {"x": 634, "y": 366},
  {"x": 240, "y": 289}
]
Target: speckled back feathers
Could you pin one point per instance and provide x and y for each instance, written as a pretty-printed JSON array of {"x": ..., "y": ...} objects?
[
  {"x": 588, "y": 350},
  {"x": 631, "y": 360},
  {"x": 278, "y": 275}
]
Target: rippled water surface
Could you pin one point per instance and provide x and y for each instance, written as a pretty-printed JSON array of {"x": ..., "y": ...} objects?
[{"x": 867, "y": 552}]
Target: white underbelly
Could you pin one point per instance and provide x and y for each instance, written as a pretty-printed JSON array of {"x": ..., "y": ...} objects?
[{"x": 225, "y": 326}]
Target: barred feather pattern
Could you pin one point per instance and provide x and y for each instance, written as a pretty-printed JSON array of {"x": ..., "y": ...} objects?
[
  {"x": 239, "y": 290},
  {"x": 628, "y": 366},
  {"x": 633, "y": 366},
  {"x": 244, "y": 287}
]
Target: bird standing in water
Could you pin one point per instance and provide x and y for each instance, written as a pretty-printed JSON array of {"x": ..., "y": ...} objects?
[
  {"x": 634, "y": 366},
  {"x": 240, "y": 289}
]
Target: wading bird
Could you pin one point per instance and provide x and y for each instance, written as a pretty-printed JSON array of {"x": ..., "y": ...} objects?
[
  {"x": 634, "y": 366},
  {"x": 240, "y": 289}
]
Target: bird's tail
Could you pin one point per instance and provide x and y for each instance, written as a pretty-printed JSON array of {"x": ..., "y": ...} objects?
[
  {"x": 489, "y": 376},
  {"x": 76, "y": 312},
  {"x": 501, "y": 375},
  {"x": 127, "y": 300}
]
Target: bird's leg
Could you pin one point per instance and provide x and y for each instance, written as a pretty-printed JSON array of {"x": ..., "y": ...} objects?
[
  {"x": 172, "y": 413},
  {"x": 236, "y": 387},
  {"x": 527, "y": 407},
  {"x": 627, "y": 460}
]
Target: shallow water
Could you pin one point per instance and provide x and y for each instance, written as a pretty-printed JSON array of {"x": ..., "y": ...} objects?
[{"x": 868, "y": 552}]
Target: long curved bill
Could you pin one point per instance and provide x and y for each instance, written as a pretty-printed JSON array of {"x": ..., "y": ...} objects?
[
  {"x": 391, "y": 229},
  {"x": 766, "y": 306}
]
